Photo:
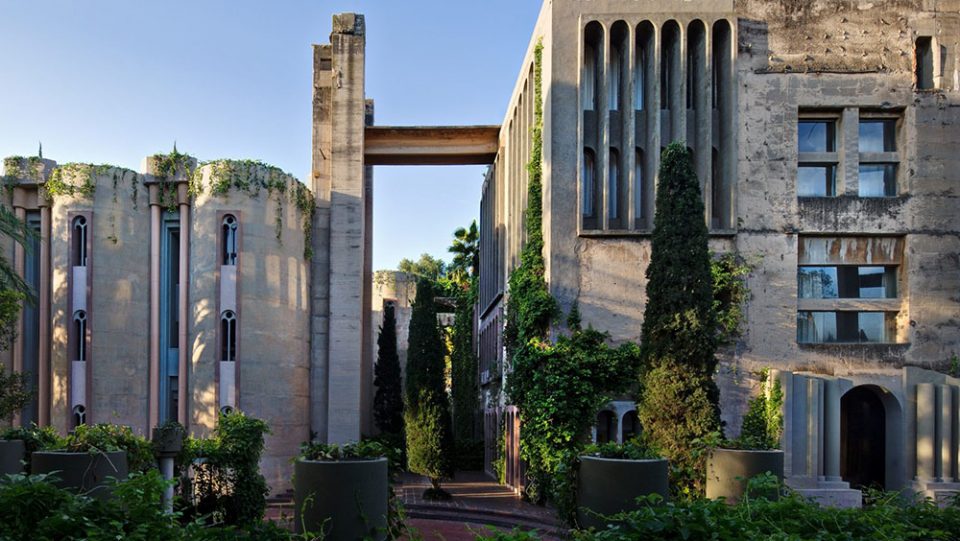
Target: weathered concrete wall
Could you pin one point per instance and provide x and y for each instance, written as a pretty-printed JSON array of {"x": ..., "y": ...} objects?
[{"x": 119, "y": 300}]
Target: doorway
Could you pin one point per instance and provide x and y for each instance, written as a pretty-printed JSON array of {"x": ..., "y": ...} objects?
[{"x": 863, "y": 439}]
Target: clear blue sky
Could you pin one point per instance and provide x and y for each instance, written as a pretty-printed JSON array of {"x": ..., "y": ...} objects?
[{"x": 112, "y": 81}]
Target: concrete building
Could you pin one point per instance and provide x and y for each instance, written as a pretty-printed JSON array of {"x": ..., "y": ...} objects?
[{"x": 825, "y": 137}]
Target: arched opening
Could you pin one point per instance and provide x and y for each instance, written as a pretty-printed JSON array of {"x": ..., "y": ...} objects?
[
  {"x": 671, "y": 93},
  {"x": 630, "y": 426},
  {"x": 590, "y": 83},
  {"x": 863, "y": 438},
  {"x": 617, "y": 70},
  {"x": 606, "y": 427}
]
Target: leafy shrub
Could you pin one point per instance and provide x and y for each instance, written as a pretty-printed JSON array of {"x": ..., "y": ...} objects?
[
  {"x": 763, "y": 423},
  {"x": 362, "y": 450},
  {"x": 14, "y": 393},
  {"x": 105, "y": 437},
  {"x": 633, "y": 449},
  {"x": 429, "y": 441},
  {"x": 34, "y": 439},
  {"x": 559, "y": 389},
  {"x": 226, "y": 482}
]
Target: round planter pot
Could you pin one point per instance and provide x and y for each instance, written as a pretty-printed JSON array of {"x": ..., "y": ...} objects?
[
  {"x": 83, "y": 472},
  {"x": 12, "y": 452},
  {"x": 729, "y": 469},
  {"x": 607, "y": 486},
  {"x": 345, "y": 499}
]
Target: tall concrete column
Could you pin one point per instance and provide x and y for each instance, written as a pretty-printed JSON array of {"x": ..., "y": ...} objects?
[
  {"x": 43, "y": 371},
  {"x": 153, "y": 401},
  {"x": 367, "y": 390},
  {"x": 183, "y": 329},
  {"x": 347, "y": 229},
  {"x": 19, "y": 266},
  {"x": 831, "y": 430},
  {"x": 944, "y": 428},
  {"x": 926, "y": 431},
  {"x": 815, "y": 427}
]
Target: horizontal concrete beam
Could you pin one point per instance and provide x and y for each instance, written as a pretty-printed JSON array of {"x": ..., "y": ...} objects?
[{"x": 430, "y": 145}]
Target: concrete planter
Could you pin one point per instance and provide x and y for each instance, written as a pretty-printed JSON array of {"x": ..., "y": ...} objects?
[
  {"x": 608, "y": 486},
  {"x": 12, "y": 452},
  {"x": 83, "y": 472},
  {"x": 346, "y": 499},
  {"x": 729, "y": 469},
  {"x": 167, "y": 441}
]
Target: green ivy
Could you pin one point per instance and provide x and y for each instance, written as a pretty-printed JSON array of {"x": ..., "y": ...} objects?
[
  {"x": 167, "y": 166},
  {"x": 14, "y": 392},
  {"x": 730, "y": 294}
]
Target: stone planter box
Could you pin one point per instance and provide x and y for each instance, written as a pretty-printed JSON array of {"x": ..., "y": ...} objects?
[
  {"x": 346, "y": 499},
  {"x": 729, "y": 469},
  {"x": 11, "y": 453},
  {"x": 167, "y": 442},
  {"x": 83, "y": 472},
  {"x": 608, "y": 486}
]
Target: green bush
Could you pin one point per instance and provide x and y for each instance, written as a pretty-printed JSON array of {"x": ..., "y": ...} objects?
[
  {"x": 226, "y": 483},
  {"x": 362, "y": 450},
  {"x": 14, "y": 393},
  {"x": 429, "y": 441},
  {"x": 33, "y": 509},
  {"x": 387, "y": 377},
  {"x": 633, "y": 449},
  {"x": 763, "y": 423},
  {"x": 34, "y": 439},
  {"x": 105, "y": 437},
  {"x": 680, "y": 402}
]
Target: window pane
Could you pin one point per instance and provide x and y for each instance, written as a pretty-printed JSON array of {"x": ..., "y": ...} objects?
[
  {"x": 589, "y": 170},
  {"x": 878, "y": 180},
  {"x": 873, "y": 282},
  {"x": 817, "y": 282},
  {"x": 816, "y": 327},
  {"x": 815, "y": 136},
  {"x": 873, "y": 327},
  {"x": 877, "y": 136},
  {"x": 815, "y": 181}
]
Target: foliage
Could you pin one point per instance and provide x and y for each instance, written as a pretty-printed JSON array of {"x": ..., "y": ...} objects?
[
  {"x": 530, "y": 307},
  {"x": 886, "y": 516},
  {"x": 168, "y": 432},
  {"x": 558, "y": 390},
  {"x": 429, "y": 439},
  {"x": 425, "y": 347},
  {"x": 955, "y": 366},
  {"x": 680, "y": 402},
  {"x": 10, "y": 304},
  {"x": 32, "y": 508},
  {"x": 20, "y": 233},
  {"x": 387, "y": 377},
  {"x": 103, "y": 437},
  {"x": 464, "y": 365},
  {"x": 500, "y": 461},
  {"x": 466, "y": 250},
  {"x": 34, "y": 439},
  {"x": 361, "y": 450},
  {"x": 633, "y": 449},
  {"x": 763, "y": 423},
  {"x": 226, "y": 482},
  {"x": 14, "y": 393},
  {"x": 74, "y": 180},
  {"x": 252, "y": 177},
  {"x": 427, "y": 267},
  {"x": 730, "y": 294},
  {"x": 170, "y": 168}
]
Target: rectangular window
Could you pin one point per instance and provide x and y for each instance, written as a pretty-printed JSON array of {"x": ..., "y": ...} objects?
[
  {"x": 878, "y": 135},
  {"x": 817, "y": 158},
  {"x": 878, "y": 180},
  {"x": 924, "y": 63},
  {"x": 846, "y": 327},
  {"x": 847, "y": 282}
]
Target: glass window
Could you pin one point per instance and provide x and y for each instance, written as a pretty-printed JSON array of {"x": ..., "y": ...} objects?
[
  {"x": 847, "y": 282},
  {"x": 846, "y": 327},
  {"x": 638, "y": 70},
  {"x": 877, "y": 282},
  {"x": 79, "y": 415},
  {"x": 924, "y": 63},
  {"x": 878, "y": 180},
  {"x": 80, "y": 335},
  {"x": 590, "y": 76},
  {"x": 817, "y": 282},
  {"x": 615, "y": 77},
  {"x": 588, "y": 202},
  {"x": 816, "y": 181},
  {"x": 613, "y": 188},
  {"x": 816, "y": 136},
  {"x": 638, "y": 187},
  {"x": 228, "y": 336},
  {"x": 79, "y": 242},
  {"x": 229, "y": 240},
  {"x": 878, "y": 135}
]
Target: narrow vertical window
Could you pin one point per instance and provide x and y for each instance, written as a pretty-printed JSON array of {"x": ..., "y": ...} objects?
[
  {"x": 638, "y": 82},
  {"x": 716, "y": 190},
  {"x": 80, "y": 334},
  {"x": 924, "y": 63},
  {"x": 591, "y": 82},
  {"x": 588, "y": 207},
  {"x": 638, "y": 188},
  {"x": 614, "y": 86},
  {"x": 79, "y": 242},
  {"x": 614, "y": 191},
  {"x": 229, "y": 240},
  {"x": 228, "y": 336},
  {"x": 79, "y": 415}
]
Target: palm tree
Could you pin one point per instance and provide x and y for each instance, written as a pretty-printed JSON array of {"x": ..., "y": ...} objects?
[
  {"x": 13, "y": 290},
  {"x": 466, "y": 250}
]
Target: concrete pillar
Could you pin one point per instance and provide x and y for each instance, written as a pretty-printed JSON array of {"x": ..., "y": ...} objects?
[
  {"x": 799, "y": 427},
  {"x": 786, "y": 440},
  {"x": 347, "y": 229},
  {"x": 831, "y": 429},
  {"x": 44, "y": 398},
  {"x": 926, "y": 431},
  {"x": 815, "y": 427},
  {"x": 153, "y": 415},
  {"x": 848, "y": 141},
  {"x": 183, "y": 397},
  {"x": 944, "y": 419},
  {"x": 955, "y": 454},
  {"x": 366, "y": 399},
  {"x": 19, "y": 266}
]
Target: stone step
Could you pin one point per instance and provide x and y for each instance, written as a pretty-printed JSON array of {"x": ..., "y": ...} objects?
[{"x": 499, "y": 519}]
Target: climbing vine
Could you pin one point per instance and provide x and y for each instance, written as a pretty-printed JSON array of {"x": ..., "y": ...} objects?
[
  {"x": 254, "y": 177},
  {"x": 730, "y": 293},
  {"x": 167, "y": 166},
  {"x": 74, "y": 180}
]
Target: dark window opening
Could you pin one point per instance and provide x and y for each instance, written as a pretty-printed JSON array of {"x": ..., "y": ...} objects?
[{"x": 924, "y": 63}]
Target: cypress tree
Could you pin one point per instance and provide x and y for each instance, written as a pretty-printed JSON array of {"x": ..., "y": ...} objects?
[
  {"x": 428, "y": 432},
  {"x": 388, "y": 402},
  {"x": 680, "y": 401},
  {"x": 463, "y": 384}
]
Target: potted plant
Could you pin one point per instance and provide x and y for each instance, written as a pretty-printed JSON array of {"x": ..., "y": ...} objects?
[
  {"x": 13, "y": 397},
  {"x": 168, "y": 438},
  {"x": 90, "y": 455},
  {"x": 732, "y": 463},
  {"x": 612, "y": 476},
  {"x": 341, "y": 491}
]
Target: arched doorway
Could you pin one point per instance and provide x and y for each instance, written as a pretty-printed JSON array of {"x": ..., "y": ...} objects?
[
  {"x": 863, "y": 438},
  {"x": 630, "y": 425},
  {"x": 606, "y": 427}
]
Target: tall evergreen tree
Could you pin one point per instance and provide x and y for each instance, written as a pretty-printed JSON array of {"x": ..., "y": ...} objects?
[
  {"x": 463, "y": 360},
  {"x": 428, "y": 431},
  {"x": 388, "y": 401},
  {"x": 680, "y": 400}
]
